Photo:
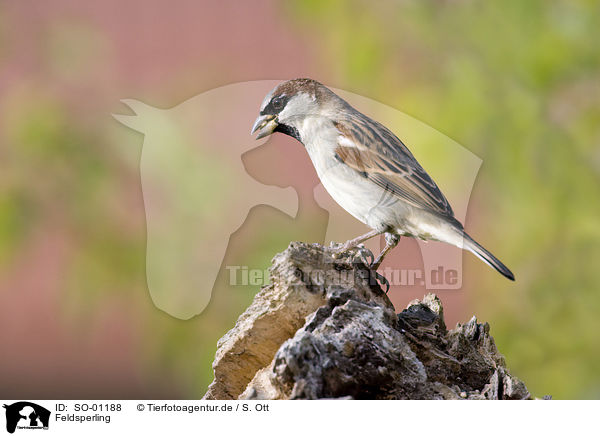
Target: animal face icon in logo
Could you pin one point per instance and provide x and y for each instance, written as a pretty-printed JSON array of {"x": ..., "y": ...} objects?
[
  {"x": 26, "y": 415},
  {"x": 197, "y": 191}
]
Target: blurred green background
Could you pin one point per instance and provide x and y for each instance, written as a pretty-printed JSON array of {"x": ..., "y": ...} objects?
[{"x": 517, "y": 83}]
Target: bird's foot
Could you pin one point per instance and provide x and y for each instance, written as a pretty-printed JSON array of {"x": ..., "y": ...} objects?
[
  {"x": 357, "y": 250},
  {"x": 353, "y": 243},
  {"x": 340, "y": 249},
  {"x": 383, "y": 281},
  {"x": 365, "y": 255}
]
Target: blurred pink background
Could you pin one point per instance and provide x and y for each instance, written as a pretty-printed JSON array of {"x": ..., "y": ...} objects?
[{"x": 76, "y": 319}]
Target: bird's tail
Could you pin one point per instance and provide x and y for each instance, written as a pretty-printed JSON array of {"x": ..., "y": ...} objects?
[{"x": 471, "y": 245}]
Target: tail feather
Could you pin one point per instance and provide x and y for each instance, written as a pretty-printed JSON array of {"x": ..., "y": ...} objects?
[{"x": 471, "y": 245}]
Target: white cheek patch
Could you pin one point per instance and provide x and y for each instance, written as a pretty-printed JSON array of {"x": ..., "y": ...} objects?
[
  {"x": 285, "y": 113},
  {"x": 298, "y": 105}
]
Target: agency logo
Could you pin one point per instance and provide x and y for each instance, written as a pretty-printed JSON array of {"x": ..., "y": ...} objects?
[
  {"x": 26, "y": 415},
  {"x": 198, "y": 192}
]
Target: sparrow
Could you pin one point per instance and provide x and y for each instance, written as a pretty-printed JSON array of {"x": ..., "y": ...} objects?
[{"x": 366, "y": 168}]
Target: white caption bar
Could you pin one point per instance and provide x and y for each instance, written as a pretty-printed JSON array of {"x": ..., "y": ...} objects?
[{"x": 297, "y": 417}]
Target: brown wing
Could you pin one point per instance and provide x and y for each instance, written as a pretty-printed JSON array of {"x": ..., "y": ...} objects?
[{"x": 379, "y": 155}]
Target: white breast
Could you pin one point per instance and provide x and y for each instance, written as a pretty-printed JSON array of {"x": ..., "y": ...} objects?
[{"x": 360, "y": 197}]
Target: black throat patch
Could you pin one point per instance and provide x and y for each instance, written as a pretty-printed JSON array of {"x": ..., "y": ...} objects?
[{"x": 289, "y": 130}]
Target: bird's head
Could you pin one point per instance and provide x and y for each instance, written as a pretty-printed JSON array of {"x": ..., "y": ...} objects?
[{"x": 289, "y": 104}]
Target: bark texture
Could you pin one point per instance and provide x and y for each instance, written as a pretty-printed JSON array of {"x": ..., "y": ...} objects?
[{"x": 324, "y": 328}]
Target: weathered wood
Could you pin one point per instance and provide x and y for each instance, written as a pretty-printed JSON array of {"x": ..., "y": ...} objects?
[{"x": 324, "y": 328}]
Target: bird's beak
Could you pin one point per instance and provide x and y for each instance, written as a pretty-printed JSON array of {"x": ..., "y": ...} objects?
[{"x": 264, "y": 125}]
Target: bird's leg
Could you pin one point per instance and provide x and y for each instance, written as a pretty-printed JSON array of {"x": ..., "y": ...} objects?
[
  {"x": 391, "y": 240},
  {"x": 354, "y": 242}
]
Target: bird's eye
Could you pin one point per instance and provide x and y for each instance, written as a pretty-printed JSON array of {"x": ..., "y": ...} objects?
[{"x": 278, "y": 103}]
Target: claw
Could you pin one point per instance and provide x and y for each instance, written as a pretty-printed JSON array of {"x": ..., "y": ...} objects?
[
  {"x": 382, "y": 281},
  {"x": 338, "y": 251},
  {"x": 366, "y": 256}
]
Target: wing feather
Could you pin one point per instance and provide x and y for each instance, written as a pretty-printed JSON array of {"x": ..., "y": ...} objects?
[{"x": 381, "y": 156}]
